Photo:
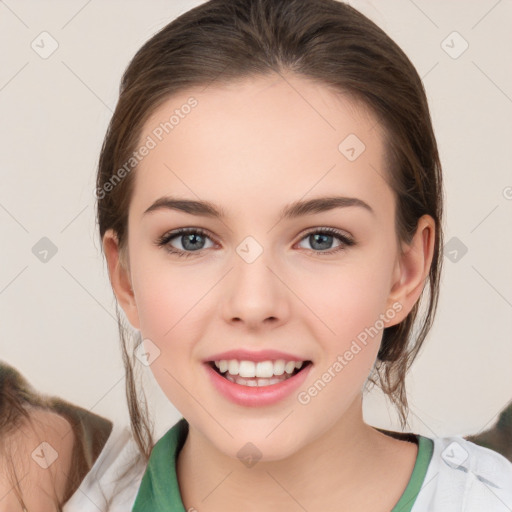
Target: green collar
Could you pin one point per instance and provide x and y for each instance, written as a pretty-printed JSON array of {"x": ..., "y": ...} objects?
[{"x": 159, "y": 489}]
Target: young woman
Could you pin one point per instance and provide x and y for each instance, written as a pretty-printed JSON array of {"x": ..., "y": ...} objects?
[{"x": 270, "y": 205}]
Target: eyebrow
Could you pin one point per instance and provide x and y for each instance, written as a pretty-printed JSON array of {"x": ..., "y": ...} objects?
[{"x": 292, "y": 210}]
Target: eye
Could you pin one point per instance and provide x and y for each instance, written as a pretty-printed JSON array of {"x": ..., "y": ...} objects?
[
  {"x": 191, "y": 240},
  {"x": 322, "y": 238}
]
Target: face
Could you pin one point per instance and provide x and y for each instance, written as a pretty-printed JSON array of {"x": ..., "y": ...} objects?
[{"x": 313, "y": 286}]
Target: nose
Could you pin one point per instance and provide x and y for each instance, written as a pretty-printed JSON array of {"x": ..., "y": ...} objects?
[{"x": 254, "y": 294}]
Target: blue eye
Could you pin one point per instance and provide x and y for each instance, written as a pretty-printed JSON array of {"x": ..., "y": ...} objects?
[
  {"x": 193, "y": 241},
  {"x": 324, "y": 237}
]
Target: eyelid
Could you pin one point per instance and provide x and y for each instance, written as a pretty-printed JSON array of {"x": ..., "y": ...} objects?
[
  {"x": 174, "y": 233},
  {"x": 334, "y": 231}
]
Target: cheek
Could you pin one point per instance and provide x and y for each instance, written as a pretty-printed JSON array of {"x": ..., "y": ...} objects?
[
  {"x": 345, "y": 308},
  {"x": 343, "y": 302},
  {"x": 171, "y": 302},
  {"x": 346, "y": 324},
  {"x": 161, "y": 302},
  {"x": 166, "y": 308},
  {"x": 166, "y": 294}
]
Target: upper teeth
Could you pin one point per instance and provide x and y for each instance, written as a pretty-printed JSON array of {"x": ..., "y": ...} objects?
[{"x": 260, "y": 369}]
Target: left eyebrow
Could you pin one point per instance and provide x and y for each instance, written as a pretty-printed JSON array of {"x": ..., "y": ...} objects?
[
  {"x": 295, "y": 209},
  {"x": 321, "y": 204}
]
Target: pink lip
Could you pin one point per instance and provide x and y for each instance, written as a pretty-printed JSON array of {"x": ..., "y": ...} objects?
[
  {"x": 256, "y": 396},
  {"x": 262, "y": 355}
]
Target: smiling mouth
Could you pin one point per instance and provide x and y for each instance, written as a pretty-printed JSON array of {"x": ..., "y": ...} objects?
[{"x": 257, "y": 381}]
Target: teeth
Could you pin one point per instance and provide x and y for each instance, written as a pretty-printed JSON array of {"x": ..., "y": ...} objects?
[
  {"x": 247, "y": 369},
  {"x": 261, "y": 369},
  {"x": 231, "y": 366},
  {"x": 256, "y": 382}
]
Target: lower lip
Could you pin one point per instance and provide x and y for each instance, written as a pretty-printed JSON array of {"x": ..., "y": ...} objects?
[{"x": 255, "y": 396}]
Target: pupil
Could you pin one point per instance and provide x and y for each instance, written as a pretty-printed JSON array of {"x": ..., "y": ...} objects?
[
  {"x": 192, "y": 238},
  {"x": 324, "y": 244}
]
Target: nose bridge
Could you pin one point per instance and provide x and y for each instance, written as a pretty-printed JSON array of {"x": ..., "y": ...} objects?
[{"x": 255, "y": 293}]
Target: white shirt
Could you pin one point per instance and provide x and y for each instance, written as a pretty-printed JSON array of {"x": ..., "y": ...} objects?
[
  {"x": 461, "y": 477},
  {"x": 465, "y": 477},
  {"x": 100, "y": 490}
]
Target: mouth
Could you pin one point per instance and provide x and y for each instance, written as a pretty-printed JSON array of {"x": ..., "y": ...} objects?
[{"x": 258, "y": 374}]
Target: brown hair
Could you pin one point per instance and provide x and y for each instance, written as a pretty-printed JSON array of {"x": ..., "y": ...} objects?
[
  {"x": 324, "y": 40},
  {"x": 18, "y": 401}
]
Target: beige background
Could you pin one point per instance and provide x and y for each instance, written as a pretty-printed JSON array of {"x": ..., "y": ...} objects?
[{"x": 57, "y": 318}]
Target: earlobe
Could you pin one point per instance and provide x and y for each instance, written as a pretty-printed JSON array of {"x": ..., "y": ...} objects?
[
  {"x": 413, "y": 267},
  {"x": 120, "y": 280}
]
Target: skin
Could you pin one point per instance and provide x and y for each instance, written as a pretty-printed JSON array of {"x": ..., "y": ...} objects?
[
  {"x": 270, "y": 141},
  {"x": 41, "y": 485}
]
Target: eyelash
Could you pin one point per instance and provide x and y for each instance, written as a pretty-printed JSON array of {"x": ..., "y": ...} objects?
[{"x": 164, "y": 240}]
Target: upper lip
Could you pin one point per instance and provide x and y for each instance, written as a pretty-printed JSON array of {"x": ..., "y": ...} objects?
[{"x": 249, "y": 355}]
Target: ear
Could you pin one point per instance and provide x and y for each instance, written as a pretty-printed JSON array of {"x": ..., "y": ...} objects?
[
  {"x": 119, "y": 273},
  {"x": 412, "y": 268}
]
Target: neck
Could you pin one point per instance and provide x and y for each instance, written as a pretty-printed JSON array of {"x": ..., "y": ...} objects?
[{"x": 348, "y": 457}]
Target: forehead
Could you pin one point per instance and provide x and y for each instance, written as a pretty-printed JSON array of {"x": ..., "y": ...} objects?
[{"x": 275, "y": 137}]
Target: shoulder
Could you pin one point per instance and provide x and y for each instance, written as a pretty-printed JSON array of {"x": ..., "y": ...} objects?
[
  {"x": 465, "y": 476},
  {"x": 159, "y": 484},
  {"x": 114, "y": 479},
  {"x": 455, "y": 453}
]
